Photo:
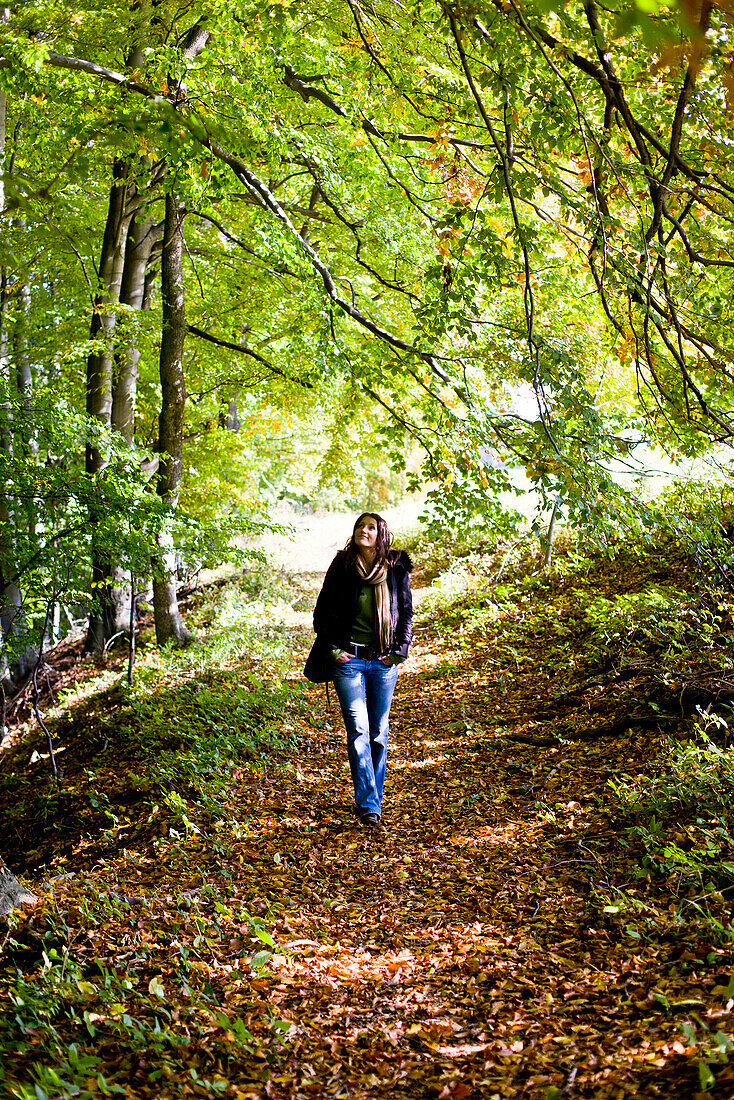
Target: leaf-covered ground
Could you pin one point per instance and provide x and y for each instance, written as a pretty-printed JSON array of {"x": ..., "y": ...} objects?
[{"x": 501, "y": 935}]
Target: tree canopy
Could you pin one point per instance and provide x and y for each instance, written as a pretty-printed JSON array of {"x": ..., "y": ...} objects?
[{"x": 396, "y": 220}]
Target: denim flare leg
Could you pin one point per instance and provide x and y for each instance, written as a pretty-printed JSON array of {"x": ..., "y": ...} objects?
[{"x": 365, "y": 691}]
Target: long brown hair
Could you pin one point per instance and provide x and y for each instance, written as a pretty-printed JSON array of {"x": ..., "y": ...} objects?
[{"x": 382, "y": 545}]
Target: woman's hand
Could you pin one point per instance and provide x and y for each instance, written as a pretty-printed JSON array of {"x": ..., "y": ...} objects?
[
  {"x": 386, "y": 661},
  {"x": 343, "y": 658}
]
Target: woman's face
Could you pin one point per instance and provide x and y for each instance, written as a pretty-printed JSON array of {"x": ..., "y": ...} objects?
[{"x": 365, "y": 534}]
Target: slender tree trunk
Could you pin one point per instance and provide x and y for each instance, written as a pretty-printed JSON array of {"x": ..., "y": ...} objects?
[
  {"x": 230, "y": 420},
  {"x": 100, "y": 362},
  {"x": 168, "y": 623},
  {"x": 142, "y": 240},
  {"x": 19, "y": 653},
  {"x": 548, "y": 541},
  {"x": 25, "y": 440},
  {"x": 23, "y": 368},
  {"x": 4, "y": 346}
]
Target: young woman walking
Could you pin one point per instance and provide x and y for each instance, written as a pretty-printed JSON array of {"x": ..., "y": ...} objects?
[{"x": 364, "y": 625}]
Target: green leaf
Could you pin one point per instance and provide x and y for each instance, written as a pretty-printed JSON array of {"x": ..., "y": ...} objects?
[
  {"x": 705, "y": 1076},
  {"x": 261, "y": 958},
  {"x": 265, "y": 936},
  {"x": 156, "y": 988},
  {"x": 723, "y": 1042}
]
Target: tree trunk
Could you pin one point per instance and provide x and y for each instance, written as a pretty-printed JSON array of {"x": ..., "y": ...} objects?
[
  {"x": 168, "y": 624},
  {"x": 230, "y": 420},
  {"x": 548, "y": 541},
  {"x": 142, "y": 239},
  {"x": 18, "y": 652},
  {"x": 99, "y": 363},
  {"x": 12, "y": 893},
  {"x": 25, "y": 442}
]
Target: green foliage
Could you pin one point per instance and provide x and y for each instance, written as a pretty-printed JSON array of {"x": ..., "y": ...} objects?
[
  {"x": 697, "y": 514},
  {"x": 145, "y": 1018},
  {"x": 222, "y": 703},
  {"x": 466, "y": 505},
  {"x": 680, "y": 822},
  {"x": 51, "y": 511},
  {"x": 192, "y": 722},
  {"x": 485, "y": 314},
  {"x": 631, "y": 624}
]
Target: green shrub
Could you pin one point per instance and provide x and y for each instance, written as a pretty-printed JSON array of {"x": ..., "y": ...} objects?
[
  {"x": 681, "y": 822},
  {"x": 660, "y": 617}
]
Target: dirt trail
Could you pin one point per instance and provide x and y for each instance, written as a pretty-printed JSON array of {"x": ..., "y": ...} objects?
[{"x": 460, "y": 951}]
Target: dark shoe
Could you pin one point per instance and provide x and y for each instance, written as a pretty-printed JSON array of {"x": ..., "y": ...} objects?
[{"x": 370, "y": 820}]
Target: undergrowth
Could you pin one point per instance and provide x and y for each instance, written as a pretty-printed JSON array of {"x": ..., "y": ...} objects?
[
  {"x": 145, "y": 777},
  {"x": 148, "y": 771},
  {"x": 598, "y": 617},
  {"x": 679, "y": 824},
  {"x": 139, "y": 1018},
  {"x": 628, "y": 631}
]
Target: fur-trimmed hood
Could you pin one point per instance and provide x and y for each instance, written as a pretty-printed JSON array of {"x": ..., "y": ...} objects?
[{"x": 401, "y": 556}]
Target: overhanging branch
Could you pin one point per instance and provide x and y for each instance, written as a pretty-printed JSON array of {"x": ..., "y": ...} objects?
[
  {"x": 245, "y": 349},
  {"x": 259, "y": 190}
]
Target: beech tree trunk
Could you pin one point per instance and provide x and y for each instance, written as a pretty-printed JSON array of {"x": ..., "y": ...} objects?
[
  {"x": 169, "y": 626},
  {"x": 18, "y": 652},
  {"x": 115, "y": 407},
  {"x": 12, "y": 893},
  {"x": 99, "y": 363},
  {"x": 24, "y": 440},
  {"x": 549, "y": 537},
  {"x": 99, "y": 366},
  {"x": 143, "y": 238}
]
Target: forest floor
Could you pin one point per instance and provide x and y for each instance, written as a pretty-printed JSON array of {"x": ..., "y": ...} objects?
[{"x": 498, "y": 935}]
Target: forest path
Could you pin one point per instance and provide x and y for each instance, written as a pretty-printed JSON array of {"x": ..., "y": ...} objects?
[
  {"x": 491, "y": 939},
  {"x": 462, "y": 949}
]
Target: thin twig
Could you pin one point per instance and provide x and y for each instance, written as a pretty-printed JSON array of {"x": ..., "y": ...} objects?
[
  {"x": 34, "y": 681},
  {"x": 109, "y": 641},
  {"x": 43, "y": 725},
  {"x": 131, "y": 652}
]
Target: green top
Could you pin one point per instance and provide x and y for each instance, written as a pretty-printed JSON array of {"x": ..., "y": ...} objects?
[{"x": 363, "y": 627}]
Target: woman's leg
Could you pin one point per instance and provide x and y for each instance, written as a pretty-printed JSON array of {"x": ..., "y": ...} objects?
[
  {"x": 379, "y": 686},
  {"x": 349, "y": 684}
]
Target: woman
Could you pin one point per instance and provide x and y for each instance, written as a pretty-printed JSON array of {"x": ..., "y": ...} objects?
[{"x": 364, "y": 625}]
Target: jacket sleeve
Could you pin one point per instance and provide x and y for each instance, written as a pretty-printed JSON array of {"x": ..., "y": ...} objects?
[{"x": 403, "y": 634}]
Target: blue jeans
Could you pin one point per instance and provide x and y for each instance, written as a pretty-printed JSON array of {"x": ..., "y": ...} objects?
[{"x": 365, "y": 692}]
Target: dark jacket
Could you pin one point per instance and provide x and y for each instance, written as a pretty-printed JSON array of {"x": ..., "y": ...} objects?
[{"x": 336, "y": 607}]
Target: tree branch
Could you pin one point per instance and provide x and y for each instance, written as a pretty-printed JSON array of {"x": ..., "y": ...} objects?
[
  {"x": 244, "y": 349},
  {"x": 308, "y": 91}
]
